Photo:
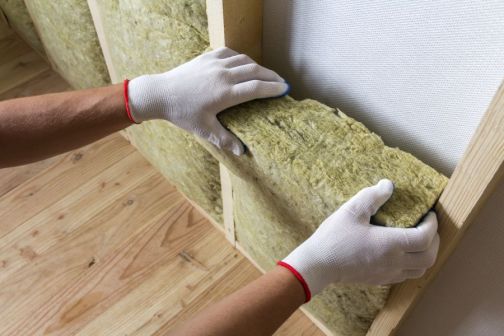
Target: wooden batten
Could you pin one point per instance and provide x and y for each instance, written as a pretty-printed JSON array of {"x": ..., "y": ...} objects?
[
  {"x": 227, "y": 204},
  {"x": 236, "y": 24},
  {"x": 98, "y": 23}
]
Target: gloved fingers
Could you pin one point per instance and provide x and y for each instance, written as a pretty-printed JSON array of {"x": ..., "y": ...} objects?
[
  {"x": 416, "y": 239},
  {"x": 256, "y": 89},
  {"x": 367, "y": 201},
  {"x": 254, "y": 71},
  {"x": 425, "y": 259},
  {"x": 237, "y": 60},
  {"x": 224, "y": 139},
  {"x": 223, "y": 52},
  {"x": 413, "y": 273}
]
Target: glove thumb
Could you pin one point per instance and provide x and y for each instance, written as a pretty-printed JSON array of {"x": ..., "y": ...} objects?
[
  {"x": 367, "y": 201},
  {"x": 224, "y": 139}
]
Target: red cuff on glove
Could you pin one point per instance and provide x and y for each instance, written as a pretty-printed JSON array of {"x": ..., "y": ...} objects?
[
  {"x": 126, "y": 102},
  {"x": 299, "y": 277}
]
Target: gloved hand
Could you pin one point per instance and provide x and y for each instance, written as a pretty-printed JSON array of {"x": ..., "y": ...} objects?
[
  {"x": 191, "y": 95},
  {"x": 347, "y": 248}
]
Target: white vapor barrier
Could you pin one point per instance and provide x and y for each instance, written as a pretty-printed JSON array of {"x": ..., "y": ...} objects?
[{"x": 419, "y": 73}]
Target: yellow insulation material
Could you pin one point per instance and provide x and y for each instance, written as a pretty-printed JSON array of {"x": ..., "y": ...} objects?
[{"x": 67, "y": 31}]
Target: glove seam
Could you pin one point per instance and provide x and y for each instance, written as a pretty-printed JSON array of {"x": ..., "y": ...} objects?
[{"x": 299, "y": 277}]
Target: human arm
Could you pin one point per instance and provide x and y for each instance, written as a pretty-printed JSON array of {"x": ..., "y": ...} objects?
[
  {"x": 345, "y": 248},
  {"x": 189, "y": 96},
  {"x": 34, "y": 128},
  {"x": 256, "y": 309}
]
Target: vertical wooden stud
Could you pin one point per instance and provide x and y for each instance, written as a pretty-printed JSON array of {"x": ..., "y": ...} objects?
[
  {"x": 227, "y": 204},
  {"x": 98, "y": 23},
  {"x": 236, "y": 24}
]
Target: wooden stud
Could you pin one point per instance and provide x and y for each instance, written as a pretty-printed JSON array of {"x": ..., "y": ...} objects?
[
  {"x": 227, "y": 204},
  {"x": 100, "y": 32},
  {"x": 102, "y": 39},
  {"x": 236, "y": 24},
  {"x": 475, "y": 177}
]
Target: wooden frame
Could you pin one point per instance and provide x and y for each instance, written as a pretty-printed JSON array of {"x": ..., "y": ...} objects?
[
  {"x": 238, "y": 24},
  {"x": 100, "y": 32}
]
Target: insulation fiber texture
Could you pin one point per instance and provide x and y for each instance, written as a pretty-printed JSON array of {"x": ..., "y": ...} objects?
[
  {"x": 67, "y": 31},
  {"x": 152, "y": 37},
  {"x": 304, "y": 161},
  {"x": 17, "y": 14}
]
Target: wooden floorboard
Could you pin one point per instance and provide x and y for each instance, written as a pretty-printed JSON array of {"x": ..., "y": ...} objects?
[
  {"x": 59, "y": 179},
  {"x": 96, "y": 242},
  {"x": 13, "y": 177}
]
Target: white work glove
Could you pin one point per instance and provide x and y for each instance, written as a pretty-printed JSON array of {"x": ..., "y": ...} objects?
[
  {"x": 191, "y": 95},
  {"x": 347, "y": 248}
]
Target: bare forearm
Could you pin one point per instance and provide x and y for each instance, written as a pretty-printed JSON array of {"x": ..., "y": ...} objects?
[
  {"x": 257, "y": 309},
  {"x": 34, "y": 128}
]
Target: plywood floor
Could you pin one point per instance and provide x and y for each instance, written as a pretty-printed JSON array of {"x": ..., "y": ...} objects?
[{"x": 96, "y": 242}]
